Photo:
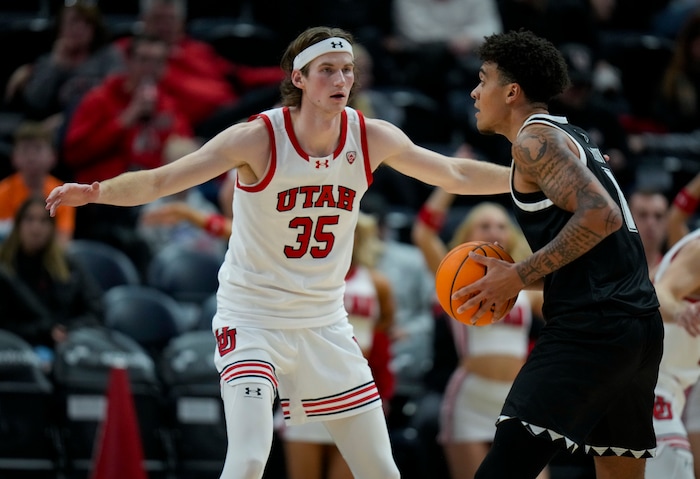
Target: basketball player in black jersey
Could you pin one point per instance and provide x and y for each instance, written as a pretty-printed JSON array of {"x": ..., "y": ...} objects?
[{"x": 589, "y": 381}]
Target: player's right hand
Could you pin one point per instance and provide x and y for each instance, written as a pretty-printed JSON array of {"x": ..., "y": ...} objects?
[
  {"x": 72, "y": 194},
  {"x": 689, "y": 318}
]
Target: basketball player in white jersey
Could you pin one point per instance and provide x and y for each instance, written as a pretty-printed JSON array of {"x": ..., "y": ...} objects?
[
  {"x": 677, "y": 283},
  {"x": 280, "y": 325},
  {"x": 491, "y": 356}
]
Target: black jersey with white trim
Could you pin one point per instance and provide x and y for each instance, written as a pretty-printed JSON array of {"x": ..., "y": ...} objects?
[{"x": 612, "y": 278}]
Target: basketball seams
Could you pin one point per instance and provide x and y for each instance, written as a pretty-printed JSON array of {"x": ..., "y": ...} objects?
[{"x": 453, "y": 313}]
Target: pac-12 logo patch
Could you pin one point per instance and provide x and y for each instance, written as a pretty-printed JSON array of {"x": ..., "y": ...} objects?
[
  {"x": 225, "y": 340},
  {"x": 350, "y": 156}
]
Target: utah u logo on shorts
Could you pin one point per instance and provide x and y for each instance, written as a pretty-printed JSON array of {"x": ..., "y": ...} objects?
[{"x": 225, "y": 340}]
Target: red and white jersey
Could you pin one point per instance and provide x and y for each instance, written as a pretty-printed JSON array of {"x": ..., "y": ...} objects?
[
  {"x": 681, "y": 350},
  {"x": 293, "y": 231},
  {"x": 362, "y": 305},
  {"x": 509, "y": 336}
]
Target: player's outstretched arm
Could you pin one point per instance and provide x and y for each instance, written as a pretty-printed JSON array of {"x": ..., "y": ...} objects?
[
  {"x": 244, "y": 145},
  {"x": 465, "y": 176}
]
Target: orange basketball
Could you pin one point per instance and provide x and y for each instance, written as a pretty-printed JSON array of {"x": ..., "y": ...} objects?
[{"x": 456, "y": 271}]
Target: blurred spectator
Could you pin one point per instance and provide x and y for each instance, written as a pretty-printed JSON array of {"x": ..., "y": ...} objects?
[
  {"x": 181, "y": 218},
  {"x": 373, "y": 103},
  {"x": 570, "y": 21},
  {"x": 586, "y": 107},
  {"x": 43, "y": 292},
  {"x": 212, "y": 92},
  {"x": 679, "y": 107},
  {"x": 78, "y": 60},
  {"x": 123, "y": 124},
  {"x": 649, "y": 210},
  {"x": 658, "y": 144},
  {"x": 33, "y": 158},
  {"x": 437, "y": 38},
  {"x": 213, "y": 223}
]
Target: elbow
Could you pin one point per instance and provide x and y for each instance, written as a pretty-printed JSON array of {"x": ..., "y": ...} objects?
[{"x": 456, "y": 186}]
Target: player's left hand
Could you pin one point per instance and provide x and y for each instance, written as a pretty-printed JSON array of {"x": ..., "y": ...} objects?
[{"x": 72, "y": 194}]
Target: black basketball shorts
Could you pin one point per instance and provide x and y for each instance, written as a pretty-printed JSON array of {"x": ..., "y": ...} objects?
[{"x": 589, "y": 382}]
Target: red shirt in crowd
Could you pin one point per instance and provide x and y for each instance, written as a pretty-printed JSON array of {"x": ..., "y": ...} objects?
[
  {"x": 98, "y": 146},
  {"x": 200, "y": 79}
]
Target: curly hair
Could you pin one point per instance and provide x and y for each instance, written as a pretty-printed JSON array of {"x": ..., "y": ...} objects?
[
  {"x": 291, "y": 95},
  {"x": 531, "y": 61}
]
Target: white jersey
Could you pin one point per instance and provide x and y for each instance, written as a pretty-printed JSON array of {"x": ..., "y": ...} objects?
[
  {"x": 293, "y": 231},
  {"x": 362, "y": 305},
  {"x": 678, "y": 371},
  {"x": 681, "y": 350}
]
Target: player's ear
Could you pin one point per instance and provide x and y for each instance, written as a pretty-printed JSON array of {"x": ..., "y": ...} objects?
[
  {"x": 296, "y": 78},
  {"x": 513, "y": 91}
]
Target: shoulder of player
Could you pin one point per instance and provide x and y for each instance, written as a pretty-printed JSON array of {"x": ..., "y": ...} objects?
[
  {"x": 242, "y": 143},
  {"x": 385, "y": 140},
  {"x": 537, "y": 141},
  {"x": 381, "y": 129},
  {"x": 250, "y": 135}
]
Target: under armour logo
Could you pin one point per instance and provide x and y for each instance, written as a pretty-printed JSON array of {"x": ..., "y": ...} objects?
[
  {"x": 253, "y": 391},
  {"x": 336, "y": 44},
  {"x": 323, "y": 163}
]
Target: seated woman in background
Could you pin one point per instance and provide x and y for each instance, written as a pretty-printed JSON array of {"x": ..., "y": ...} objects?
[{"x": 43, "y": 292}]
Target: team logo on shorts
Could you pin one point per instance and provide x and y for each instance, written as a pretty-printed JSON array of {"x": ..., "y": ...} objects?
[
  {"x": 350, "y": 156},
  {"x": 225, "y": 340}
]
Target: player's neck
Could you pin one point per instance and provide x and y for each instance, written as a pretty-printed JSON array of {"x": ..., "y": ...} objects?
[{"x": 318, "y": 134}]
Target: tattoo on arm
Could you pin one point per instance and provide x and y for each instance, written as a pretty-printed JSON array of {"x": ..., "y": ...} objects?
[{"x": 544, "y": 157}]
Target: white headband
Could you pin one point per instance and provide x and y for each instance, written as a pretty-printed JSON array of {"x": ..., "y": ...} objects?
[{"x": 329, "y": 45}]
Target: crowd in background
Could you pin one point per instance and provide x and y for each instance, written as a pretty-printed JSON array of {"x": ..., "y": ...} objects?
[{"x": 104, "y": 87}]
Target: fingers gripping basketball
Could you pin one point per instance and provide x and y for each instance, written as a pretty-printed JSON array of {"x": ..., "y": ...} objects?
[{"x": 457, "y": 271}]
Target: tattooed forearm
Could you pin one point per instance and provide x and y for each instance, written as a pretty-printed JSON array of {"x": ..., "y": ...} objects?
[{"x": 571, "y": 243}]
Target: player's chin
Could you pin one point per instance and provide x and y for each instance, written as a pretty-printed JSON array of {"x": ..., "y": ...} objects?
[{"x": 484, "y": 130}]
